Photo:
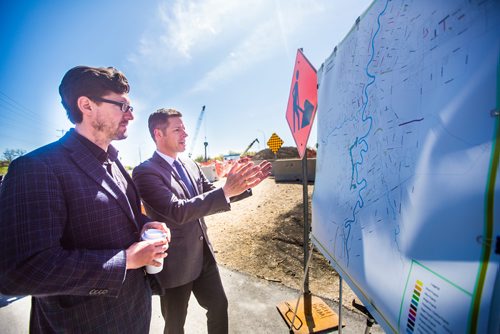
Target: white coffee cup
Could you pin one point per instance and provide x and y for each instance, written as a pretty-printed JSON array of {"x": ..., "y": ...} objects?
[{"x": 154, "y": 235}]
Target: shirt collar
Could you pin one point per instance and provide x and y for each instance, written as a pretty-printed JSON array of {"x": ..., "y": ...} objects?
[
  {"x": 101, "y": 155},
  {"x": 167, "y": 158}
]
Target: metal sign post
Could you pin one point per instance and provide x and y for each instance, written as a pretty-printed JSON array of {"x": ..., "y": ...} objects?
[
  {"x": 307, "y": 229},
  {"x": 311, "y": 314}
]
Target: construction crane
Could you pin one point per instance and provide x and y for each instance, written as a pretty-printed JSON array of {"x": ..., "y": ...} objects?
[
  {"x": 196, "y": 131},
  {"x": 253, "y": 142}
]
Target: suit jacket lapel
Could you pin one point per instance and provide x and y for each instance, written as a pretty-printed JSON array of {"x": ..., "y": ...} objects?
[
  {"x": 89, "y": 165},
  {"x": 158, "y": 159}
]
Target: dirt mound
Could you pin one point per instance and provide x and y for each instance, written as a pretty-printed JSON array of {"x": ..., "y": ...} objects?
[
  {"x": 285, "y": 152},
  {"x": 263, "y": 236}
]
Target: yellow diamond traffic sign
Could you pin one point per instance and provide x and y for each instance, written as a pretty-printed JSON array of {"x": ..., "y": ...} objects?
[{"x": 274, "y": 143}]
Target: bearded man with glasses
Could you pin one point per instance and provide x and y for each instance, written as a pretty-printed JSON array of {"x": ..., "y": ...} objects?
[{"x": 71, "y": 220}]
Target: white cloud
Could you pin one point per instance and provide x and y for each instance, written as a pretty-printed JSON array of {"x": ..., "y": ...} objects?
[
  {"x": 216, "y": 40},
  {"x": 185, "y": 29},
  {"x": 270, "y": 34},
  {"x": 256, "y": 47},
  {"x": 192, "y": 23}
]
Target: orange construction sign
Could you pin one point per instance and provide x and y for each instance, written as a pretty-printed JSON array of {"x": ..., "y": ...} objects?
[{"x": 302, "y": 102}]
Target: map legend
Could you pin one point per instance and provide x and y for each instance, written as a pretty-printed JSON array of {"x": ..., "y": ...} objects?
[{"x": 412, "y": 314}]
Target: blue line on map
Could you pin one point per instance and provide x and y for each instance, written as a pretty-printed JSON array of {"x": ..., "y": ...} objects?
[{"x": 356, "y": 183}]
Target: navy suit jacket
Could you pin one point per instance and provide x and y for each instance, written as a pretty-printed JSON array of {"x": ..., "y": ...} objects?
[
  {"x": 166, "y": 199},
  {"x": 64, "y": 228}
]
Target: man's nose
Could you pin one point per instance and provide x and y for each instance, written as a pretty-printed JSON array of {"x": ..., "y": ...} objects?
[{"x": 128, "y": 115}]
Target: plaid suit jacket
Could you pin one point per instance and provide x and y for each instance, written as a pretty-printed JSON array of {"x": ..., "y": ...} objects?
[
  {"x": 64, "y": 228},
  {"x": 166, "y": 199}
]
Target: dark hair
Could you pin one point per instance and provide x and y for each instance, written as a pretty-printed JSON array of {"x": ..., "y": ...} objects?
[
  {"x": 159, "y": 119},
  {"x": 90, "y": 82}
]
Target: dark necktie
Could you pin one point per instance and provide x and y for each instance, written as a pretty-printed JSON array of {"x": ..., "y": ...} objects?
[
  {"x": 109, "y": 167},
  {"x": 120, "y": 180},
  {"x": 184, "y": 178}
]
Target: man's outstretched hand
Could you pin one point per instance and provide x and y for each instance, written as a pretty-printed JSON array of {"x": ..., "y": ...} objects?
[{"x": 244, "y": 175}]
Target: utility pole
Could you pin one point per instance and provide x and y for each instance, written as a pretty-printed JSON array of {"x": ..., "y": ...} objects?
[
  {"x": 206, "y": 144},
  {"x": 62, "y": 132}
]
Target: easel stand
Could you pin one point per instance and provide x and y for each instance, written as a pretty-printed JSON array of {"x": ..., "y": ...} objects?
[
  {"x": 310, "y": 314},
  {"x": 370, "y": 321}
]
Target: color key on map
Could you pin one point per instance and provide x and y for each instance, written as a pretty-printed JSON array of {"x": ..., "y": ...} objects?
[{"x": 412, "y": 314}]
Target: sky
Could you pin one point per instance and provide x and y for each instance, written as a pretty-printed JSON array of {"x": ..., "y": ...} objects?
[{"x": 236, "y": 58}]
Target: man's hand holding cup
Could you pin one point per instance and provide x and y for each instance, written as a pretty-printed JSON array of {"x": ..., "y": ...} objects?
[{"x": 151, "y": 251}]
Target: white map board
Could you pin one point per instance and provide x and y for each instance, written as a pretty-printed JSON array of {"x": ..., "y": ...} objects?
[{"x": 405, "y": 204}]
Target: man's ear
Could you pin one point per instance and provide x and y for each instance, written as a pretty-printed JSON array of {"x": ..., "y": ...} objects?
[
  {"x": 85, "y": 104},
  {"x": 158, "y": 133}
]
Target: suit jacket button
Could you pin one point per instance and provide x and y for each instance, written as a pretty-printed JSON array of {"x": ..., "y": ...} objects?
[{"x": 201, "y": 237}]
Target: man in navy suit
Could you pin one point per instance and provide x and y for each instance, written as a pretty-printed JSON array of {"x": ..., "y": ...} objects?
[
  {"x": 70, "y": 219},
  {"x": 176, "y": 191}
]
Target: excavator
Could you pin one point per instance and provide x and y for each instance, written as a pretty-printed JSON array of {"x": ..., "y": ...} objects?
[{"x": 249, "y": 146}]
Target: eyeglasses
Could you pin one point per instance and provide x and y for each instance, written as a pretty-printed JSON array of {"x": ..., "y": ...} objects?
[{"x": 124, "y": 106}]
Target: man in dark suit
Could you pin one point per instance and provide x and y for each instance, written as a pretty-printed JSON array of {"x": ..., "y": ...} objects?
[
  {"x": 176, "y": 192},
  {"x": 70, "y": 220}
]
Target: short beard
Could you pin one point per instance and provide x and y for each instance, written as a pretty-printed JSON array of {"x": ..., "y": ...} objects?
[
  {"x": 100, "y": 127},
  {"x": 120, "y": 136}
]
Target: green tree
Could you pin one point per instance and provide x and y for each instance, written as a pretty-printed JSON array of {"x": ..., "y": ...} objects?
[
  {"x": 10, "y": 154},
  {"x": 199, "y": 158}
]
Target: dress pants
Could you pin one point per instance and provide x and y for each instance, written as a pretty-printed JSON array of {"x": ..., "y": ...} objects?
[{"x": 209, "y": 293}]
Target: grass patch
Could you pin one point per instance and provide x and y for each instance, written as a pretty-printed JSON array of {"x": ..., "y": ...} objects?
[{"x": 3, "y": 170}]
